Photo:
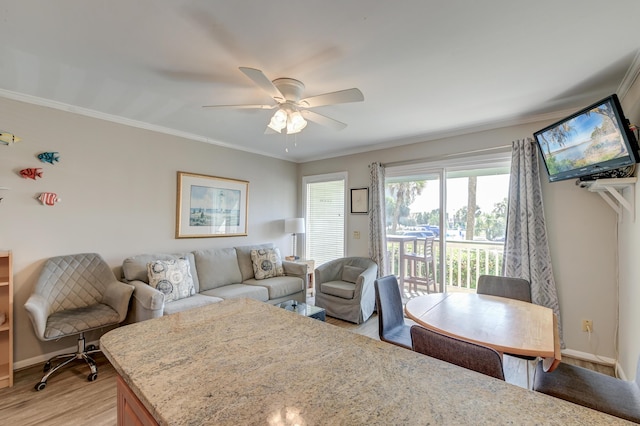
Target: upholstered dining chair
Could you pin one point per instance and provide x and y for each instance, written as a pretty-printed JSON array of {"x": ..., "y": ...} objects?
[
  {"x": 75, "y": 294},
  {"x": 589, "y": 388},
  {"x": 465, "y": 354},
  {"x": 392, "y": 326},
  {"x": 511, "y": 288},
  {"x": 419, "y": 261}
]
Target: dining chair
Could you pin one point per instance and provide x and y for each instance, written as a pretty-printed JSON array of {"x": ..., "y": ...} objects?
[
  {"x": 392, "y": 327},
  {"x": 420, "y": 260},
  {"x": 465, "y": 354},
  {"x": 511, "y": 288}
]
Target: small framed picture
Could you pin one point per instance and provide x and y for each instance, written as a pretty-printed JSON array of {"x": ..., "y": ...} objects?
[{"x": 359, "y": 200}]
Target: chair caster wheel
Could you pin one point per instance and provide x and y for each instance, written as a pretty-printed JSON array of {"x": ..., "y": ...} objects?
[
  {"x": 47, "y": 366},
  {"x": 92, "y": 377},
  {"x": 91, "y": 348},
  {"x": 40, "y": 386}
]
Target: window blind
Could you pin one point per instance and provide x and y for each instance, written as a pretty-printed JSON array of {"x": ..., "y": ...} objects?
[{"x": 325, "y": 220}]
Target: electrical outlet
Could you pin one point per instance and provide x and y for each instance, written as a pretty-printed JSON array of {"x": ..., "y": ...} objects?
[{"x": 587, "y": 325}]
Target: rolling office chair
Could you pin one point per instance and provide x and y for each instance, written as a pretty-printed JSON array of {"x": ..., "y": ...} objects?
[
  {"x": 75, "y": 294},
  {"x": 392, "y": 327},
  {"x": 465, "y": 354}
]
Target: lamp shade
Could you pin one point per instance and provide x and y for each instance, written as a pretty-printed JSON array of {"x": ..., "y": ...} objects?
[{"x": 294, "y": 225}]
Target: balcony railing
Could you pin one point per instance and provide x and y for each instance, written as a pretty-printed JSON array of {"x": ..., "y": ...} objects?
[{"x": 465, "y": 260}]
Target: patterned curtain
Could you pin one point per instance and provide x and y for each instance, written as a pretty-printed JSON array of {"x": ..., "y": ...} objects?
[
  {"x": 527, "y": 248},
  {"x": 377, "y": 220}
]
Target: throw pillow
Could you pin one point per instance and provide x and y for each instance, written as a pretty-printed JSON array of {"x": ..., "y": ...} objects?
[
  {"x": 172, "y": 278},
  {"x": 350, "y": 274},
  {"x": 266, "y": 263}
]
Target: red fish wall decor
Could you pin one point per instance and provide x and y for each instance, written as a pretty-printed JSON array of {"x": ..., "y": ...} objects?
[{"x": 31, "y": 173}]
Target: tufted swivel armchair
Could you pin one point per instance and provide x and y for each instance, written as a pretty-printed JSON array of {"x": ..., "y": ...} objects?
[{"x": 74, "y": 294}]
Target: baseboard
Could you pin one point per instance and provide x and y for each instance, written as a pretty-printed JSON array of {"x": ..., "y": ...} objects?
[
  {"x": 18, "y": 365},
  {"x": 589, "y": 357}
]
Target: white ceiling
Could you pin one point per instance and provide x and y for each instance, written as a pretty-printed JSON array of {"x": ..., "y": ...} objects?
[{"x": 426, "y": 68}]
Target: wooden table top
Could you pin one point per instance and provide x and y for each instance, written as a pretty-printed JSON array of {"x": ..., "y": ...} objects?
[{"x": 506, "y": 325}]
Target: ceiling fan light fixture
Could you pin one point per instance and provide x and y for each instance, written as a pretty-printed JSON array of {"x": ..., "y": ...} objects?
[
  {"x": 278, "y": 121},
  {"x": 296, "y": 122}
]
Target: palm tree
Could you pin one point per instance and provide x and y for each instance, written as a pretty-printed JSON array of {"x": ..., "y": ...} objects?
[{"x": 404, "y": 193}]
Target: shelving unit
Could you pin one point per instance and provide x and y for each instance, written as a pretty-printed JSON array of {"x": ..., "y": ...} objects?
[
  {"x": 611, "y": 191},
  {"x": 6, "y": 328}
]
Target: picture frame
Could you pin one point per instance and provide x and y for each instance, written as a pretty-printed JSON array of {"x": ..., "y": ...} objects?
[
  {"x": 360, "y": 200},
  {"x": 211, "y": 206}
]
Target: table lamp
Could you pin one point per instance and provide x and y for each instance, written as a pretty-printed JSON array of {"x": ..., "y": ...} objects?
[{"x": 294, "y": 226}]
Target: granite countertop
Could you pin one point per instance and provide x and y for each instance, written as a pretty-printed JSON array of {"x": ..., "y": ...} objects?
[{"x": 247, "y": 362}]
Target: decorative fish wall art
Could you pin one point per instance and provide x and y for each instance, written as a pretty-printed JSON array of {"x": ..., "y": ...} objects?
[
  {"x": 49, "y": 157},
  {"x": 49, "y": 198},
  {"x": 7, "y": 138},
  {"x": 31, "y": 173}
]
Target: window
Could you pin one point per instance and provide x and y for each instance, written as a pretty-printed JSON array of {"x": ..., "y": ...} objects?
[{"x": 324, "y": 197}]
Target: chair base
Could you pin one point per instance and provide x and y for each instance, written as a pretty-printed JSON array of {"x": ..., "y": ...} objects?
[{"x": 83, "y": 353}]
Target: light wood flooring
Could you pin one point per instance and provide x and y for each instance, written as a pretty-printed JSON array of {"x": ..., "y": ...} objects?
[{"x": 69, "y": 399}]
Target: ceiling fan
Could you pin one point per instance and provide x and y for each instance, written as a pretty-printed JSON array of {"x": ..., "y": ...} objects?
[{"x": 291, "y": 109}]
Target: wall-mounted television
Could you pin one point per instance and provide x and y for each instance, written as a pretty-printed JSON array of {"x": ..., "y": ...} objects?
[{"x": 595, "y": 139}]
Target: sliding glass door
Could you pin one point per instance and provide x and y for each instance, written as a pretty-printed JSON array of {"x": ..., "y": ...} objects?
[{"x": 446, "y": 223}]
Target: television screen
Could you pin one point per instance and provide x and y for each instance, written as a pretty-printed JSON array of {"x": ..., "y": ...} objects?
[{"x": 593, "y": 140}]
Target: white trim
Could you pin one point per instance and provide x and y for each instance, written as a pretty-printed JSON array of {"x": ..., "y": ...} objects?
[
  {"x": 18, "y": 365},
  {"x": 127, "y": 122},
  {"x": 630, "y": 77},
  {"x": 585, "y": 356}
]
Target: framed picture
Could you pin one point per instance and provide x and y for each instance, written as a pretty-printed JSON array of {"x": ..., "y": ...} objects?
[
  {"x": 210, "y": 206},
  {"x": 360, "y": 200}
]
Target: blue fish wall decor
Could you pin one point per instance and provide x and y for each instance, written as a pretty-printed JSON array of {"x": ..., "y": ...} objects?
[{"x": 49, "y": 157}]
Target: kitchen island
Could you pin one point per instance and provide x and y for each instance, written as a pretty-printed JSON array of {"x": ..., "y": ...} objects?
[{"x": 247, "y": 362}]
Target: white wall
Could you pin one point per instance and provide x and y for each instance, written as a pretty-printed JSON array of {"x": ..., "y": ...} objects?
[
  {"x": 118, "y": 189},
  {"x": 629, "y": 248},
  {"x": 579, "y": 223}
]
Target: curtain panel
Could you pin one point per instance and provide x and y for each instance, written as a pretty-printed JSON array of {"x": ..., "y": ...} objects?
[
  {"x": 377, "y": 220},
  {"x": 526, "y": 247}
]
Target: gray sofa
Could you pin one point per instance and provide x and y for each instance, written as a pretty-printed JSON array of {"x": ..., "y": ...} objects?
[{"x": 218, "y": 274}]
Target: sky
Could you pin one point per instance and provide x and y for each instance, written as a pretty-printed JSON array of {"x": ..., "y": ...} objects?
[{"x": 490, "y": 190}]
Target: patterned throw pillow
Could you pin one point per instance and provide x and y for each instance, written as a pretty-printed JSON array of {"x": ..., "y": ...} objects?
[
  {"x": 171, "y": 277},
  {"x": 266, "y": 263}
]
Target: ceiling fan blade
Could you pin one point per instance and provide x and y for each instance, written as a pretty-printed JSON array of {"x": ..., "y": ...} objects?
[
  {"x": 323, "y": 120},
  {"x": 263, "y": 82},
  {"x": 248, "y": 106},
  {"x": 339, "y": 97}
]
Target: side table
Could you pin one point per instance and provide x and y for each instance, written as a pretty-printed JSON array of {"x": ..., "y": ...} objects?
[{"x": 311, "y": 266}]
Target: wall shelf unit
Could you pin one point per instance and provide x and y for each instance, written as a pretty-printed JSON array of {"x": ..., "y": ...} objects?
[
  {"x": 6, "y": 327},
  {"x": 611, "y": 191}
]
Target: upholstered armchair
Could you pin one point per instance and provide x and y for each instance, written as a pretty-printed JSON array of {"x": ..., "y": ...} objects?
[{"x": 344, "y": 288}]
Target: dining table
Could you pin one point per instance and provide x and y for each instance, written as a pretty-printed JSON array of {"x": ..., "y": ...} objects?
[{"x": 509, "y": 326}]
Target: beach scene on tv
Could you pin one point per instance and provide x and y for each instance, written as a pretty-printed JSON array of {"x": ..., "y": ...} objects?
[
  {"x": 589, "y": 138},
  {"x": 214, "y": 207}
]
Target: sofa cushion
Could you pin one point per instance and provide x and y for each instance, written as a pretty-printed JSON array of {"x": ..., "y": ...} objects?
[
  {"x": 244, "y": 259},
  {"x": 350, "y": 274},
  {"x": 135, "y": 268},
  {"x": 279, "y": 286},
  {"x": 171, "y": 277},
  {"x": 217, "y": 267},
  {"x": 341, "y": 289},
  {"x": 195, "y": 301},
  {"x": 236, "y": 291},
  {"x": 266, "y": 263}
]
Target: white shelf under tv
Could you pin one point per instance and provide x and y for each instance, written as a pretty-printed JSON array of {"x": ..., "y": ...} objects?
[{"x": 611, "y": 191}]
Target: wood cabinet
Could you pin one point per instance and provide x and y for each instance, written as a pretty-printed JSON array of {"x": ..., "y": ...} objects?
[
  {"x": 6, "y": 319},
  {"x": 131, "y": 412}
]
